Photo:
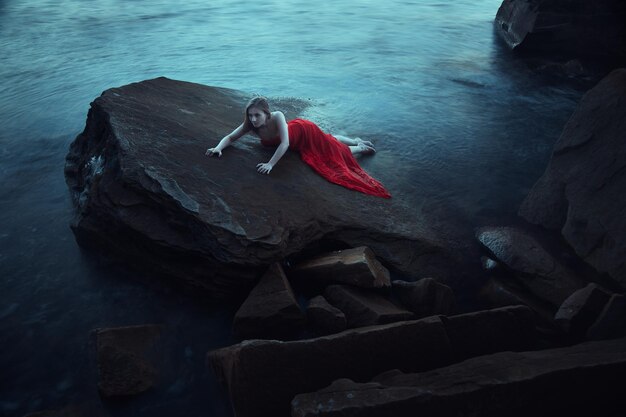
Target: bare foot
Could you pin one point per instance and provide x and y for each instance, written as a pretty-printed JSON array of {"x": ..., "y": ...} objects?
[
  {"x": 365, "y": 149},
  {"x": 364, "y": 142}
]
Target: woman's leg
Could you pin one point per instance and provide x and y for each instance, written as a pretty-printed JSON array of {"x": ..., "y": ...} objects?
[{"x": 357, "y": 145}]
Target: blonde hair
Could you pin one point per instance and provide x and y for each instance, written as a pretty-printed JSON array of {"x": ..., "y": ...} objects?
[{"x": 260, "y": 103}]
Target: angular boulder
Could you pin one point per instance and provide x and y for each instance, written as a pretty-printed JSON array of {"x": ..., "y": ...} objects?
[
  {"x": 579, "y": 380},
  {"x": 325, "y": 318},
  {"x": 565, "y": 28},
  {"x": 425, "y": 297},
  {"x": 611, "y": 322},
  {"x": 539, "y": 271},
  {"x": 145, "y": 191},
  {"x": 271, "y": 310},
  {"x": 581, "y": 192},
  {"x": 508, "y": 292},
  {"x": 356, "y": 266},
  {"x": 363, "y": 308},
  {"x": 124, "y": 367},
  {"x": 580, "y": 310}
]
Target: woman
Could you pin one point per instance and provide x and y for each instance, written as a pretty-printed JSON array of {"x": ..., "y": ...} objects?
[{"x": 331, "y": 156}]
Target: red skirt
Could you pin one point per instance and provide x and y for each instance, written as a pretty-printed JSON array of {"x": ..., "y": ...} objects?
[{"x": 330, "y": 158}]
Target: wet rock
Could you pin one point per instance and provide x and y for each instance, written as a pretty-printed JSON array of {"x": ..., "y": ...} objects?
[
  {"x": 363, "y": 308},
  {"x": 578, "y": 380},
  {"x": 263, "y": 376},
  {"x": 271, "y": 309},
  {"x": 425, "y": 297},
  {"x": 325, "y": 318},
  {"x": 539, "y": 271},
  {"x": 489, "y": 331},
  {"x": 145, "y": 192},
  {"x": 565, "y": 28},
  {"x": 488, "y": 263},
  {"x": 611, "y": 322},
  {"x": 581, "y": 192},
  {"x": 579, "y": 311},
  {"x": 358, "y": 267},
  {"x": 124, "y": 367}
]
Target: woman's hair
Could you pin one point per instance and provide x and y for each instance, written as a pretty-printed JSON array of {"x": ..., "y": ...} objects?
[{"x": 260, "y": 103}]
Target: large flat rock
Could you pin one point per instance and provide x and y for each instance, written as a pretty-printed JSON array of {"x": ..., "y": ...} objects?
[
  {"x": 581, "y": 192},
  {"x": 145, "y": 191},
  {"x": 580, "y": 380}
]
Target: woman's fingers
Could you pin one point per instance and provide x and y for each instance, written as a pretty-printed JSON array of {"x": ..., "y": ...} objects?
[{"x": 263, "y": 168}]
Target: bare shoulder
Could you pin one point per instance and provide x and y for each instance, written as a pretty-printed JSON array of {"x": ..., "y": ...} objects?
[{"x": 278, "y": 114}]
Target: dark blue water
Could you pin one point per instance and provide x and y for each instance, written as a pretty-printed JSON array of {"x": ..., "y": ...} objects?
[{"x": 463, "y": 130}]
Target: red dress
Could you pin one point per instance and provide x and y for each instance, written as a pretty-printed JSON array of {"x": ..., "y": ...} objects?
[{"x": 332, "y": 159}]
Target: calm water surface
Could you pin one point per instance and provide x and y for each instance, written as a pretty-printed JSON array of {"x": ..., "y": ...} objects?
[{"x": 462, "y": 128}]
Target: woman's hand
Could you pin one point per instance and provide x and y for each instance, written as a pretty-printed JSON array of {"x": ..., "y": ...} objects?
[
  {"x": 213, "y": 151},
  {"x": 264, "y": 168}
]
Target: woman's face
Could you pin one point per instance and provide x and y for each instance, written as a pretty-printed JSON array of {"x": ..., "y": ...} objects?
[{"x": 257, "y": 117}]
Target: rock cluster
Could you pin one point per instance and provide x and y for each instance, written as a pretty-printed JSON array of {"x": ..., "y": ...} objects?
[{"x": 263, "y": 376}]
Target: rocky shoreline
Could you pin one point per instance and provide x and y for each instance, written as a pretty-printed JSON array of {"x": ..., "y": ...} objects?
[{"x": 326, "y": 327}]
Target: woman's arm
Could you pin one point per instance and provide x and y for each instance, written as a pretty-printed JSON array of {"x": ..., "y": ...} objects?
[
  {"x": 227, "y": 140},
  {"x": 283, "y": 133}
]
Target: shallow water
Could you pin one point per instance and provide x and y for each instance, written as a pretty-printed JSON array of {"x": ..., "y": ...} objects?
[{"x": 462, "y": 128}]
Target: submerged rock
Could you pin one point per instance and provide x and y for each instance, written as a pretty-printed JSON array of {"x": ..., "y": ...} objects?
[
  {"x": 581, "y": 192},
  {"x": 145, "y": 191},
  {"x": 125, "y": 369}
]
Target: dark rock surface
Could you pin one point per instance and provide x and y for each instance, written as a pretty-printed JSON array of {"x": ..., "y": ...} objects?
[
  {"x": 271, "y": 310},
  {"x": 611, "y": 322},
  {"x": 263, "y": 376},
  {"x": 509, "y": 292},
  {"x": 565, "y": 28},
  {"x": 577, "y": 381},
  {"x": 581, "y": 192},
  {"x": 425, "y": 297},
  {"x": 364, "y": 308},
  {"x": 489, "y": 331},
  {"x": 537, "y": 269},
  {"x": 579, "y": 311},
  {"x": 356, "y": 266},
  {"x": 124, "y": 367},
  {"x": 325, "y": 318},
  {"x": 146, "y": 192}
]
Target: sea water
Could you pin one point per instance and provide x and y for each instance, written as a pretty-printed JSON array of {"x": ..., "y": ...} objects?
[{"x": 462, "y": 128}]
